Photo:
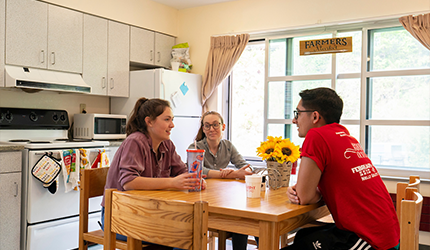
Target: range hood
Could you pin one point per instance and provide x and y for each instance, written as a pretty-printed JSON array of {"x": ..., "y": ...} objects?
[{"x": 42, "y": 79}]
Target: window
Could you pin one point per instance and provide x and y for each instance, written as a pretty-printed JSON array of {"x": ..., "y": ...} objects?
[{"x": 384, "y": 83}]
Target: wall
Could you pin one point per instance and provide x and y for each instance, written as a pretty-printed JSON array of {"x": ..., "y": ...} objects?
[{"x": 142, "y": 13}]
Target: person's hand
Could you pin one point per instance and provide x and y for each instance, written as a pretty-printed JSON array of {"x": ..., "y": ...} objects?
[
  {"x": 204, "y": 185},
  {"x": 292, "y": 195},
  {"x": 240, "y": 173},
  {"x": 226, "y": 171},
  {"x": 186, "y": 181}
]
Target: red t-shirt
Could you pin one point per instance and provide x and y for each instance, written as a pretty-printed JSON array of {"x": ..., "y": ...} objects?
[{"x": 351, "y": 186}]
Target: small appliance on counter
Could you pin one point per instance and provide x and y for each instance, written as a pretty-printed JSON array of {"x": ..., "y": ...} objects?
[{"x": 99, "y": 126}]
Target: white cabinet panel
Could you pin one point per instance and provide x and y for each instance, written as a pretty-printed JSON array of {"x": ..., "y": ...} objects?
[
  {"x": 2, "y": 45},
  {"x": 142, "y": 45},
  {"x": 26, "y": 33},
  {"x": 163, "y": 49},
  {"x": 118, "y": 59},
  {"x": 64, "y": 39},
  {"x": 95, "y": 53}
]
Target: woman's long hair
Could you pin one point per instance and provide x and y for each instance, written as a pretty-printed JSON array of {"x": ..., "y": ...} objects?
[
  {"x": 145, "y": 108},
  {"x": 200, "y": 134}
]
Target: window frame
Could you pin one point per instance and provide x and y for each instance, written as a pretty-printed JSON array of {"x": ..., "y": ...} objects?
[{"x": 365, "y": 75}]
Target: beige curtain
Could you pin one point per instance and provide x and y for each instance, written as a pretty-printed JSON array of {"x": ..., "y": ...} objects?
[
  {"x": 419, "y": 27},
  {"x": 223, "y": 54}
]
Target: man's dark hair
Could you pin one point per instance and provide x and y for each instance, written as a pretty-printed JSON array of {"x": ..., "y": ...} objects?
[{"x": 324, "y": 100}]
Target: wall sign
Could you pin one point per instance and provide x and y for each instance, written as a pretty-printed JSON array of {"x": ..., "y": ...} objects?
[{"x": 325, "y": 46}]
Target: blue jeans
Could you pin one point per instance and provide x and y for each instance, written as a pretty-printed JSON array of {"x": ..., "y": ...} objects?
[{"x": 124, "y": 238}]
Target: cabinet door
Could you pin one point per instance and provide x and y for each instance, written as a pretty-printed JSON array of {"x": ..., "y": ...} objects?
[
  {"x": 163, "y": 49},
  {"x": 142, "y": 45},
  {"x": 26, "y": 32},
  {"x": 2, "y": 39},
  {"x": 10, "y": 211},
  {"x": 95, "y": 54},
  {"x": 65, "y": 39},
  {"x": 118, "y": 59}
]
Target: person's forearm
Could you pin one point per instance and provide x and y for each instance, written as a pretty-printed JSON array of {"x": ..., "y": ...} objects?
[
  {"x": 309, "y": 199},
  {"x": 149, "y": 183},
  {"x": 214, "y": 174}
]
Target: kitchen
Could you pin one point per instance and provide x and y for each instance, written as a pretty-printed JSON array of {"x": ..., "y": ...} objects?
[{"x": 195, "y": 26}]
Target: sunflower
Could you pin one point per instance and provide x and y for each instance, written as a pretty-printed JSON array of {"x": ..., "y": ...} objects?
[
  {"x": 287, "y": 151},
  {"x": 267, "y": 149}
]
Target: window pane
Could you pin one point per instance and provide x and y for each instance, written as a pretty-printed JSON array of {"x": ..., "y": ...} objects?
[
  {"x": 248, "y": 94},
  {"x": 350, "y": 62},
  {"x": 400, "y": 146},
  {"x": 286, "y": 131},
  {"x": 277, "y": 57},
  {"x": 284, "y": 96},
  {"x": 395, "y": 48},
  {"x": 405, "y": 97},
  {"x": 289, "y": 48},
  {"x": 349, "y": 91}
]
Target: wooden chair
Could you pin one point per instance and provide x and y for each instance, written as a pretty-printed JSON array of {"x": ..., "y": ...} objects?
[
  {"x": 410, "y": 215},
  {"x": 414, "y": 182},
  {"x": 222, "y": 237},
  {"x": 169, "y": 223},
  {"x": 92, "y": 185}
]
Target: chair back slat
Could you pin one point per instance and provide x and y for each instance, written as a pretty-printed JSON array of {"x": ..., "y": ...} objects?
[
  {"x": 414, "y": 181},
  {"x": 410, "y": 216},
  {"x": 169, "y": 223}
]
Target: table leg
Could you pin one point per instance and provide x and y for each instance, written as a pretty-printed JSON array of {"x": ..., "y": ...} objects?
[
  {"x": 269, "y": 236},
  {"x": 222, "y": 237}
]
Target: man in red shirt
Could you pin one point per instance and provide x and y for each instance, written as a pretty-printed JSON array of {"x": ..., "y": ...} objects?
[{"x": 335, "y": 168}]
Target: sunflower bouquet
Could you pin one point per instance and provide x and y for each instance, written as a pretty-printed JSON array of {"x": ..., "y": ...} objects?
[{"x": 279, "y": 150}]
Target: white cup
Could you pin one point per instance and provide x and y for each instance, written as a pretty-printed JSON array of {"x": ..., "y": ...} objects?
[
  {"x": 175, "y": 65},
  {"x": 253, "y": 185}
]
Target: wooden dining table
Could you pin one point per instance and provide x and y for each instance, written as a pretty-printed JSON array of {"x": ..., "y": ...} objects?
[{"x": 267, "y": 217}]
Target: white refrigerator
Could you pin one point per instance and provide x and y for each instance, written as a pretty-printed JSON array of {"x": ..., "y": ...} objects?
[{"x": 182, "y": 90}]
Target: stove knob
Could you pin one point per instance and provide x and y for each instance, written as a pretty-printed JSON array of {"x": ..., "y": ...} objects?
[
  {"x": 62, "y": 118},
  {"x": 8, "y": 116},
  {"x": 55, "y": 117},
  {"x": 33, "y": 117},
  {"x": 1, "y": 117}
]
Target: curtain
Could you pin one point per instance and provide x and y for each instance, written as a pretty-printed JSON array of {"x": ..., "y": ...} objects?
[
  {"x": 419, "y": 27},
  {"x": 223, "y": 55}
]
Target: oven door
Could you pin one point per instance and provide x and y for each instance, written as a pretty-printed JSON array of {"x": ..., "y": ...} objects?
[{"x": 44, "y": 206}]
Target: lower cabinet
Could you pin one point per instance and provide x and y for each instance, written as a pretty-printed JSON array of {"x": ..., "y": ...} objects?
[{"x": 10, "y": 199}]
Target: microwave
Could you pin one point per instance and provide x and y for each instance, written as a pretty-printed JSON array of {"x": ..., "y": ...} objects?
[{"x": 99, "y": 126}]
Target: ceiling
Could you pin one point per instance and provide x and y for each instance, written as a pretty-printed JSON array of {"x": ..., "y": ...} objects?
[{"x": 185, "y": 4}]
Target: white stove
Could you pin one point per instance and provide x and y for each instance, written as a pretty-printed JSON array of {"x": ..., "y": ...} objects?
[{"x": 50, "y": 220}]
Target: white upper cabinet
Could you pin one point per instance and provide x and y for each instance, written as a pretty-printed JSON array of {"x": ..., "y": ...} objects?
[
  {"x": 151, "y": 48},
  {"x": 65, "y": 39},
  {"x": 163, "y": 49},
  {"x": 118, "y": 59},
  {"x": 26, "y": 33},
  {"x": 2, "y": 28},
  {"x": 142, "y": 45},
  {"x": 95, "y": 53},
  {"x": 43, "y": 36}
]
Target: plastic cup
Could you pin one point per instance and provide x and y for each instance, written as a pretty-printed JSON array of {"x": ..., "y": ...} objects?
[
  {"x": 195, "y": 165},
  {"x": 253, "y": 185}
]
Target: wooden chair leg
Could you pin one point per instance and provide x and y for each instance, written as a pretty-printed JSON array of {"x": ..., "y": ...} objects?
[
  {"x": 211, "y": 241},
  {"x": 222, "y": 237}
]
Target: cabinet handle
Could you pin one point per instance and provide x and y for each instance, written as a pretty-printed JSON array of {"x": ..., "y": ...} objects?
[
  {"x": 42, "y": 56},
  {"x": 103, "y": 82},
  {"x": 52, "y": 58},
  {"x": 159, "y": 56},
  {"x": 152, "y": 55},
  {"x": 112, "y": 82},
  {"x": 16, "y": 190}
]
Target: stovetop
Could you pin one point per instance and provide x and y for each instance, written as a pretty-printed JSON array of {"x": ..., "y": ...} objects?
[{"x": 39, "y": 129}]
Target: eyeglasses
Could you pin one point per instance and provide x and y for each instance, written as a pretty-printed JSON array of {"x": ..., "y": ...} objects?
[
  {"x": 296, "y": 112},
  {"x": 208, "y": 126}
]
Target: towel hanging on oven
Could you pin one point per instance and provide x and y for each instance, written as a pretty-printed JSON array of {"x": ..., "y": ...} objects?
[{"x": 46, "y": 170}]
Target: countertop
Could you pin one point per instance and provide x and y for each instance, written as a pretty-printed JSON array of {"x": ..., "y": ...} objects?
[{"x": 10, "y": 147}]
